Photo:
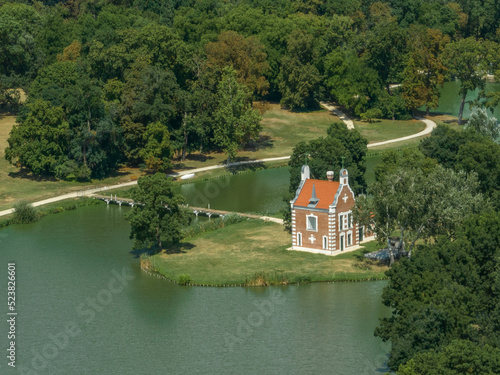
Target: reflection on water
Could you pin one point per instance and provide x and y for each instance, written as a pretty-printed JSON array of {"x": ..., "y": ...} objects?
[
  {"x": 66, "y": 265},
  {"x": 260, "y": 191},
  {"x": 449, "y": 102}
]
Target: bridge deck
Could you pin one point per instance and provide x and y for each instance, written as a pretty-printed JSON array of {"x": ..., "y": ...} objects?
[{"x": 199, "y": 209}]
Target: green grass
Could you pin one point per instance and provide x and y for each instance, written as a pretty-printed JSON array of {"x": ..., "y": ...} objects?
[
  {"x": 254, "y": 252},
  {"x": 383, "y": 130},
  {"x": 282, "y": 130}
]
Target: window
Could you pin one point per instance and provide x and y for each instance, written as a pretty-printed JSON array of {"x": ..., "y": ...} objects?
[
  {"x": 325, "y": 242},
  {"x": 349, "y": 220},
  {"x": 349, "y": 239},
  {"x": 312, "y": 223},
  {"x": 341, "y": 222},
  {"x": 299, "y": 239}
]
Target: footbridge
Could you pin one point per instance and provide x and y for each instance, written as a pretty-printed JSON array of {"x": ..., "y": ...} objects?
[{"x": 113, "y": 199}]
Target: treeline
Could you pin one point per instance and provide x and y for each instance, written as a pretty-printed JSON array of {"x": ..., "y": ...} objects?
[
  {"x": 137, "y": 82},
  {"x": 443, "y": 202}
]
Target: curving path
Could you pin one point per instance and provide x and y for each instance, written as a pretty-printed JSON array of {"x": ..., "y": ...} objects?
[
  {"x": 341, "y": 115},
  {"x": 89, "y": 192},
  {"x": 430, "y": 125}
]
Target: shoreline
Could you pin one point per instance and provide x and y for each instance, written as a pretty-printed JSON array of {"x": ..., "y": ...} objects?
[{"x": 158, "y": 275}]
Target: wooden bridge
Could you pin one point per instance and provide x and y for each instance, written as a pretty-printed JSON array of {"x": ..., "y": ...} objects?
[{"x": 196, "y": 210}]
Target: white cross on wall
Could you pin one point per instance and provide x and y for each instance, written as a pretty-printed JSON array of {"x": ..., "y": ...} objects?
[
  {"x": 312, "y": 238},
  {"x": 345, "y": 198}
]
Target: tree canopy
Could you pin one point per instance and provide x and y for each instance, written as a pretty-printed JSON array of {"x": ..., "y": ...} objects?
[{"x": 159, "y": 216}]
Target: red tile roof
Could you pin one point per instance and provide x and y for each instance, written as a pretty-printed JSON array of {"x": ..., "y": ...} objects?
[{"x": 325, "y": 191}]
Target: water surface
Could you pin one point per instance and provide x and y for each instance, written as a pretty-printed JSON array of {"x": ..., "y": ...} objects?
[{"x": 66, "y": 268}]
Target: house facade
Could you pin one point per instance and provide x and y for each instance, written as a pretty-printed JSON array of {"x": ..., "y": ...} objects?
[{"x": 322, "y": 215}]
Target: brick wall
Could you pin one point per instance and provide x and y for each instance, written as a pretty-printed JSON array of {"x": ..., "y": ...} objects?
[
  {"x": 301, "y": 226},
  {"x": 344, "y": 207}
]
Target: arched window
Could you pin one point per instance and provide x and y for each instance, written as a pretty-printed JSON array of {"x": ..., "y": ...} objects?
[{"x": 325, "y": 242}]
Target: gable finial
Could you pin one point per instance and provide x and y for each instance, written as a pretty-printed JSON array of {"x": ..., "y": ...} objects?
[
  {"x": 343, "y": 157},
  {"x": 305, "y": 158}
]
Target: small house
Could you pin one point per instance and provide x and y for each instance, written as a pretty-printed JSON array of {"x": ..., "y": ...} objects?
[{"x": 322, "y": 215}]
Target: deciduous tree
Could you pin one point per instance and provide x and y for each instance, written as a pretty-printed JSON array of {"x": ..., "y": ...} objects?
[
  {"x": 469, "y": 61},
  {"x": 236, "y": 122},
  {"x": 40, "y": 141},
  {"x": 159, "y": 217},
  {"x": 245, "y": 55}
]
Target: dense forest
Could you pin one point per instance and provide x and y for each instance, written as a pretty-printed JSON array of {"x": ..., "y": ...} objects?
[{"x": 139, "y": 82}]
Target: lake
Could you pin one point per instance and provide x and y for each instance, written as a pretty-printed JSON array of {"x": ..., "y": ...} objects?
[
  {"x": 85, "y": 307},
  {"x": 449, "y": 101}
]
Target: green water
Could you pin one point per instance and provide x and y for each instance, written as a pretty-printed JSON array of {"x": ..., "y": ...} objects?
[
  {"x": 260, "y": 191},
  {"x": 449, "y": 102},
  {"x": 66, "y": 271}
]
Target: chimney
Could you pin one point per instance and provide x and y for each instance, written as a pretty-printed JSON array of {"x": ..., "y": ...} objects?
[
  {"x": 329, "y": 175},
  {"x": 305, "y": 174}
]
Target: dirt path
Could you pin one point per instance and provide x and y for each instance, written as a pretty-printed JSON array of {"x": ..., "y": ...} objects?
[
  {"x": 430, "y": 125},
  {"x": 341, "y": 115},
  {"x": 89, "y": 192}
]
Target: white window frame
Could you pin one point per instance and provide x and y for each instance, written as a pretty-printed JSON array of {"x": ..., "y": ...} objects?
[
  {"x": 349, "y": 239},
  {"x": 325, "y": 243},
  {"x": 307, "y": 223},
  {"x": 299, "y": 239},
  {"x": 344, "y": 222}
]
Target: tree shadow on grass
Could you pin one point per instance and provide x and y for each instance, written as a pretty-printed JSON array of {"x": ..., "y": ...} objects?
[
  {"x": 179, "y": 164},
  {"x": 263, "y": 142},
  {"x": 27, "y": 175},
  {"x": 181, "y": 248}
]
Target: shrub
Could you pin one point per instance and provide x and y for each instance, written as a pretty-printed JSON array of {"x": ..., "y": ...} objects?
[
  {"x": 184, "y": 279},
  {"x": 24, "y": 213},
  {"x": 211, "y": 225}
]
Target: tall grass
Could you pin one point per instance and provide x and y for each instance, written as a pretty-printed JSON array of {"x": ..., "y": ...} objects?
[{"x": 211, "y": 225}]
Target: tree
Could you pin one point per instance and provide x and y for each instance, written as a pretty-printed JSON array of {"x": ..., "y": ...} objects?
[
  {"x": 385, "y": 47},
  {"x": 446, "y": 292},
  {"x": 20, "y": 56},
  {"x": 468, "y": 60},
  {"x": 483, "y": 124},
  {"x": 408, "y": 158},
  {"x": 235, "y": 121},
  {"x": 40, "y": 141},
  {"x": 469, "y": 151},
  {"x": 458, "y": 357},
  {"x": 159, "y": 217},
  {"x": 94, "y": 138},
  {"x": 350, "y": 81},
  {"x": 419, "y": 206},
  {"x": 157, "y": 152},
  {"x": 424, "y": 72},
  {"x": 245, "y": 55},
  {"x": 149, "y": 94},
  {"x": 299, "y": 78}
]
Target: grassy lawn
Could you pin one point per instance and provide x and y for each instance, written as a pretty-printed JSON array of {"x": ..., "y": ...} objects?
[
  {"x": 282, "y": 129},
  {"x": 252, "y": 251},
  {"x": 383, "y": 130}
]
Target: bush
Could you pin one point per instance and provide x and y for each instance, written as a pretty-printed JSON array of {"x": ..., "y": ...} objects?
[
  {"x": 24, "y": 213},
  {"x": 184, "y": 279},
  {"x": 210, "y": 225}
]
